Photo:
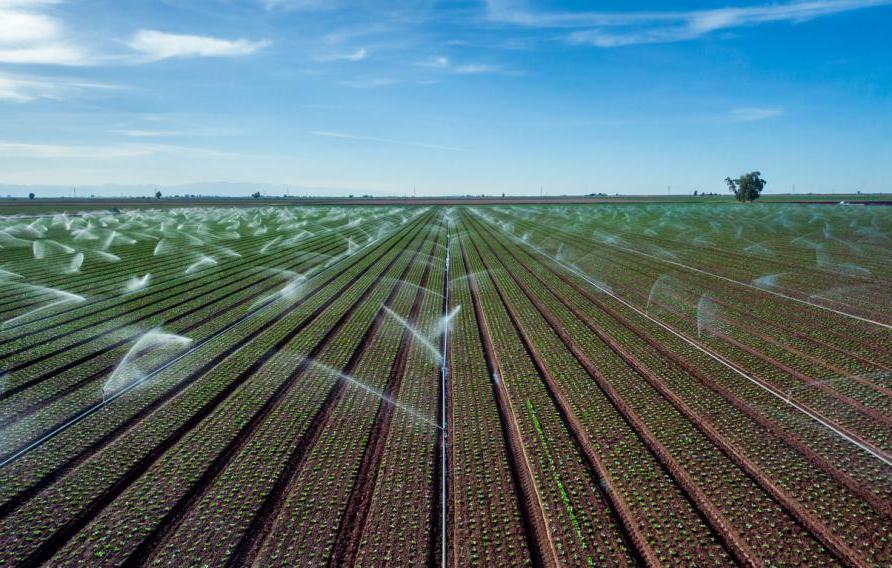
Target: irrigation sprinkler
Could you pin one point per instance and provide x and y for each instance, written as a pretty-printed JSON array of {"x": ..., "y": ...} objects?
[{"x": 128, "y": 374}]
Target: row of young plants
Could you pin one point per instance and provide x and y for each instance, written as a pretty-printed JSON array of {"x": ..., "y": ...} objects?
[
  {"x": 485, "y": 524},
  {"x": 715, "y": 232},
  {"x": 621, "y": 454},
  {"x": 828, "y": 401},
  {"x": 177, "y": 281},
  {"x": 270, "y": 413},
  {"x": 133, "y": 452},
  {"x": 307, "y": 527},
  {"x": 38, "y": 469},
  {"x": 580, "y": 527},
  {"x": 120, "y": 331},
  {"x": 824, "y": 357},
  {"x": 820, "y": 495},
  {"x": 851, "y": 464},
  {"x": 859, "y": 407},
  {"x": 109, "y": 281},
  {"x": 93, "y": 324},
  {"x": 48, "y": 322},
  {"x": 678, "y": 443},
  {"x": 868, "y": 464},
  {"x": 164, "y": 254},
  {"x": 853, "y": 400},
  {"x": 77, "y": 383},
  {"x": 767, "y": 268},
  {"x": 784, "y": 313},
  {"x": 182, "y": 234},
  {"x": 398, "y": 520},
  {"x": 808, "y": 281}
]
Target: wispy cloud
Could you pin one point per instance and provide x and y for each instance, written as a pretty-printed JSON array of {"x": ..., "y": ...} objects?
[
  {"x": 210, "y": 132},
  {"x": 100, "y": 152},
  {"x": 445, "y": 64},
  {"x": 344, "y": 136},
  {"x": 369, "y": 82},
  {"x": 28, "y": 35},
  {"x": 155, "y": 45},
  {"x": 476, "y": 69},
  {"x": 26, "y": 88},
  {"x": 615, "y": 29},
  {"x": 23, "y": 150},
  {"x": 298, "y": 5},
  {"x": 439, "y": 62},
  {"x": 357, "y": 55},
  {"x": 753, "y": 114}
]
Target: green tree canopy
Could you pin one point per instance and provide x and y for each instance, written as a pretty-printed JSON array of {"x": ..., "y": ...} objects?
[{"x": 747, "y": 187}]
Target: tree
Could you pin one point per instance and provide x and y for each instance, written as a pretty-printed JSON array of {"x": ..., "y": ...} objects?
[
  {"x": 31, "y": 196},
  {"x": 747, "y": 187},
  {"x": 256, "y": 195},
  {"x": 158, "y": 194}
]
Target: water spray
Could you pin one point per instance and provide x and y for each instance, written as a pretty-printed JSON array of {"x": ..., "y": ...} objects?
[
  {"x": 374, "y": 391},
  {"x": 431, "y": 348}
]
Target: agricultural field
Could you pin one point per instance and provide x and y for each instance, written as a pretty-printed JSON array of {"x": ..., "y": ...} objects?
[{"x": 472, "y": 385}]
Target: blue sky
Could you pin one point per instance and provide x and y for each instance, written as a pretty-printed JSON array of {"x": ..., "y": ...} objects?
[{"x": 447, "y": 97}]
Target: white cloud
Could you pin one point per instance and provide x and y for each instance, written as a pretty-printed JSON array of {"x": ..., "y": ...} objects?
[
  {"x": 753, "y": 114},
  {"x": 614, "y": 29},
  {"x": 341, "y": 135},
  {"x": 23, "y": 88},
  {"x": 155, "y": 45},
  {"x": 27, "y": 35}
]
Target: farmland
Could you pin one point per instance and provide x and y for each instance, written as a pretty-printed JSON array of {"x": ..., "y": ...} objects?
[{"x": 447, "y": 385}]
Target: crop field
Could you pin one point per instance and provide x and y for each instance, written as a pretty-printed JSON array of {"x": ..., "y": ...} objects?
[{"x": 491, "y": 385}]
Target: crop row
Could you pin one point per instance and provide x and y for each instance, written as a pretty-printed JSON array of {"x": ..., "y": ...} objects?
[
  {"x": 177, "y": 280},
  {"x": 102, "y": 284},
  {"x": 604, "y": 255},
  {"x": 211, "y": 511},
  {"x": 62, "y": 452},
  {"x": 343, "y": 463},
  {"x": 136, "y": 449},
  {"x": 572, "y": 521},
  {"x": 819, "y": 494},
  {"x": 827, "y": 399},
  {"x": 485, "y": 524},
  {"x": 76, "y": 384}
]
